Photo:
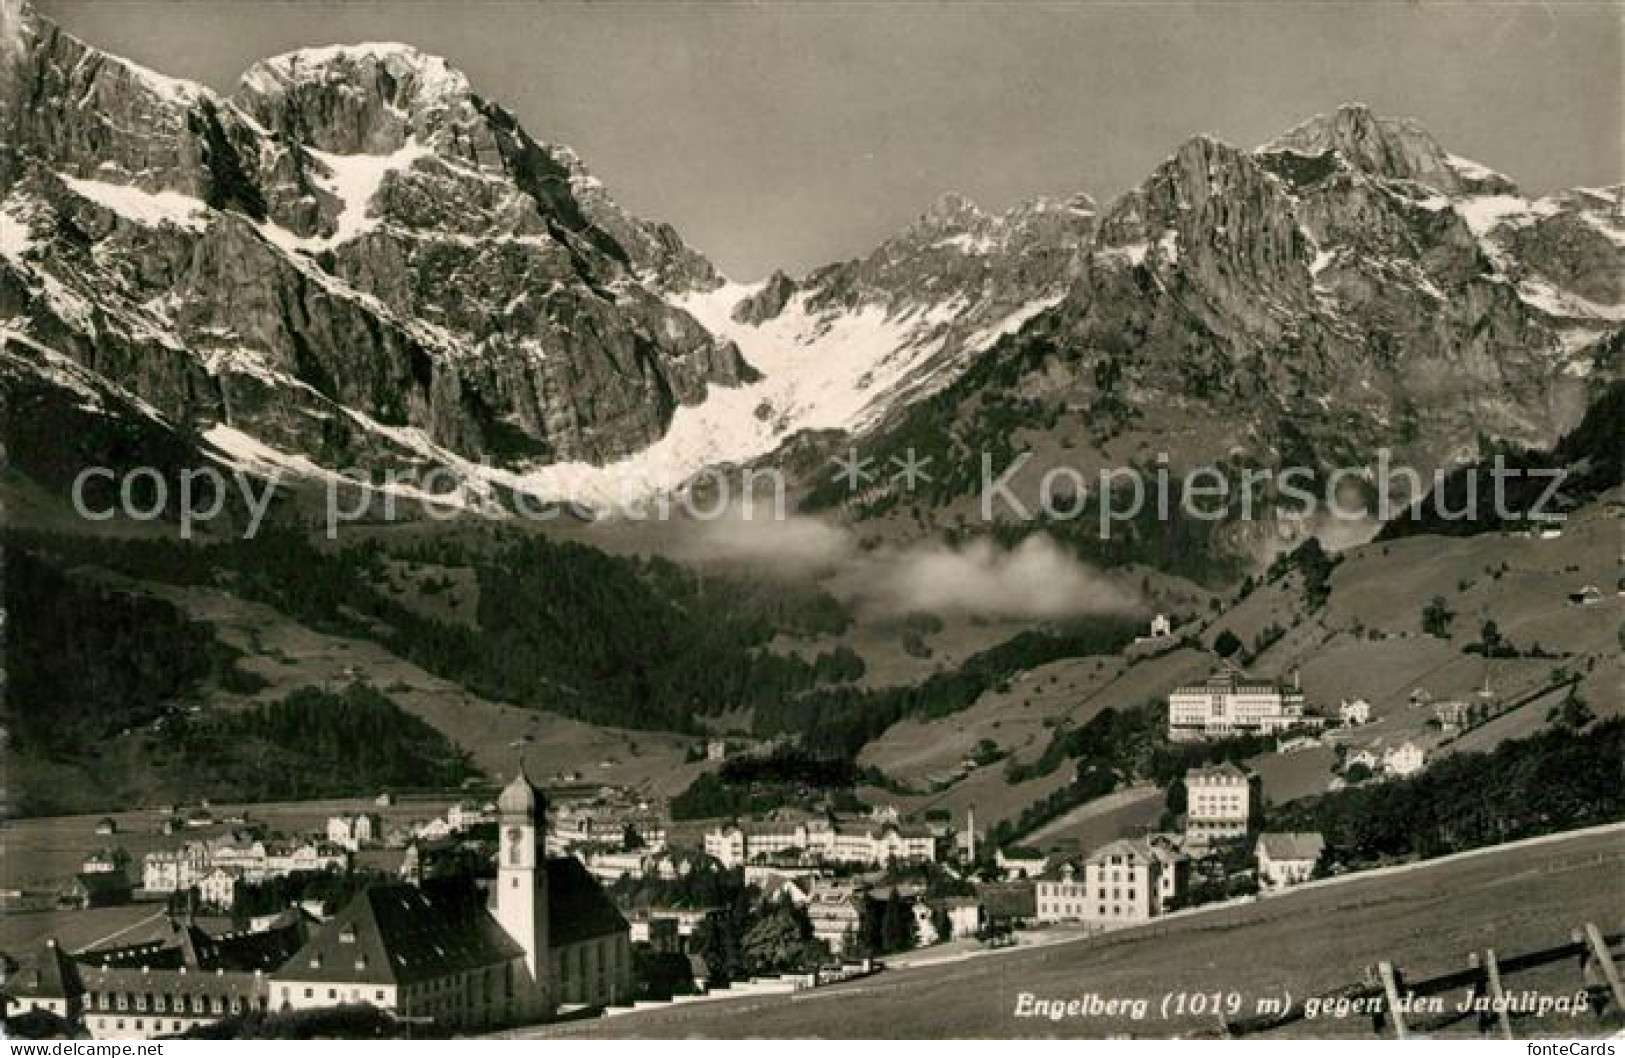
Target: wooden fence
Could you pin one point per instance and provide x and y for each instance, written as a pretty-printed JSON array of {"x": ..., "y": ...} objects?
[{"x": 1390, "y": 998}]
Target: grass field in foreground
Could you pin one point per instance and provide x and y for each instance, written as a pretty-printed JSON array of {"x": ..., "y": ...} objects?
[{"x": 1425, "y": 920}]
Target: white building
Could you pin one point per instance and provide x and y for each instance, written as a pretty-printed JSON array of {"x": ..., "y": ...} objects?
[
  {"x": 1219, "y": 803},
  {"x": 1404, "y": 760},
  {"x": 1124, "y": 881},
  {"x": 1061, "y": 898},
  {"x": 859, "y": 844},
  {"x": 1229, "y": 704},
  {"x": 1016, "y": 863},
  {"x": 352, "y": 832},
  {"x": 836, "y": 912},
  {"x": 1354, "y": 711},
  {"x": 174, "y": 870},
  {"x": 178, "y": 869},
  {"x": 218, "y": 888},
  {"x": 1287, "y": 859},
  {"x": 465, "y": 815},
  {"x": 965, "y": 915},
  {"x": 1127, "y": 882}
]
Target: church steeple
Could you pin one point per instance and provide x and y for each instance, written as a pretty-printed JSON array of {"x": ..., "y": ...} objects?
[{"x": 522, "y": 899}]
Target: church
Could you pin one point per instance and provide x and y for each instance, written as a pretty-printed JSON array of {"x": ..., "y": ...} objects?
[{"x": 545, "y": 940}]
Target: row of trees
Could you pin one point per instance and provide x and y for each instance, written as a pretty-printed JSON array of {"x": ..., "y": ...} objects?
[
  {"x": 312, "y": 743},
  {"x": 1571, "y": 775}
]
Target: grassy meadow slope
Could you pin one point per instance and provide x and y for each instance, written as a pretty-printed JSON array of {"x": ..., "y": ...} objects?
[{"x": 1426, "y": 919}]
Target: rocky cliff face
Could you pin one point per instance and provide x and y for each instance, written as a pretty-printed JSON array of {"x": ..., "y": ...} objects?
[
  {"x": 1349, "y": 287},
  {"x": 354, "y": 257}
]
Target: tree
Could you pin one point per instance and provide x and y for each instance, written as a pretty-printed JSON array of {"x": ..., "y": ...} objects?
[
  {"x": 780, "y": 941},
  {"x": 1227, "y": 644},
  {"x": 1574, "y": 713},
  {"x": 1436, "y": 618},
  {"x": 1177, "y": 798},
  {"x": 897, "y": 929},
  {"x": 1359, "y": 771}
]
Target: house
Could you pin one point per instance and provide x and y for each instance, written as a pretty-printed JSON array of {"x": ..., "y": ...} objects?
[
  {"x": 1586, "y": 596},
  {"x": 1017, "y": 862},
  {"x": 174, "y": 870},
  {"x": 1354, "y": 712},
  {"x": 1173, "y": 877},
  {"x": 306, "y": 856},
  {"x": 1009, "y": 905},
  {"x": 106, "y": 826},
  {"x": 465, "y": 815},
  {"x": 766, "y": 875},
  {"x": 218, "y": 888},
  {"x": 104, "y": 860},
  {"x": 1287, "y": 858},
  {"x": 613, "y": 866},
  {"x": 1228, "y": 704},
  {"x": 1221, "y": 803},
  {"x": 1060, "y": 896},
  {"x": 1452, "y": 714},
  {"x": 1404, "y": 760},
  {"x": 45, "y": 980},
  {"x": 1363, "y": 756},
  {"x": 650, "y": 924},
  {"x": 785, "y": 889},
  {"x": 964, "y": 914},
  {"x": 1125, "y": 883},
  {"x": 97, "y": 889},
  {"x": 352, "y": 832},
  {"x": 1161, "y": 626},
  {"x": 836, "y": 912}
]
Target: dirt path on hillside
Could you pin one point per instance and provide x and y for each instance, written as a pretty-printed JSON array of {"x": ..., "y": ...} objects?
[{"x": 1090, "y": 809}]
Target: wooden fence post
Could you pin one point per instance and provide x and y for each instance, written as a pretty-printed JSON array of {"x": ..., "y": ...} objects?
[
  {"x": 1492, "y": 971},
  {"x": 1392, "y": 982},
  {"x": 1605, "y": 962},
  {"x": 1378, "y": 1020}
]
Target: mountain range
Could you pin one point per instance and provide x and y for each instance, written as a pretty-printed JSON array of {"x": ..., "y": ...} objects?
[{"x": 356, "y": 260}]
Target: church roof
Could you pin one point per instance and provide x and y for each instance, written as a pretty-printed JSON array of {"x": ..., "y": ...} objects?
[
  {"x": 520, "y": 797},
  {"x": 577, "y": 905},
  {"x": 400, "y": 934}
]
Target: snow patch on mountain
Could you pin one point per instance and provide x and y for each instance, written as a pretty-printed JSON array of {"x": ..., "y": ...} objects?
[
  {"x": 15, "y": 238},
  {"x": 820, "y": 371},
  {"x": 150, "y": 209}
]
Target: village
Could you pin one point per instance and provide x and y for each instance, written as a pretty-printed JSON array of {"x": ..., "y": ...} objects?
[{"x": 581, "y": 900}]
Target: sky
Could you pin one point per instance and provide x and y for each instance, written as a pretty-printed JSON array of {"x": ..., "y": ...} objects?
[{"x": 780, "y": 135}]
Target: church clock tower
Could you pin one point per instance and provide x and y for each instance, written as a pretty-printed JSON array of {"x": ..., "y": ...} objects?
[{"x": 521, "y": 904}]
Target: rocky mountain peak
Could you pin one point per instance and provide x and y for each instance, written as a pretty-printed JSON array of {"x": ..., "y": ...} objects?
[
  {"x": 952, "y": 210},
  {"x": 1393, "y": 148},
  {"x": 357, "y": 98}
]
